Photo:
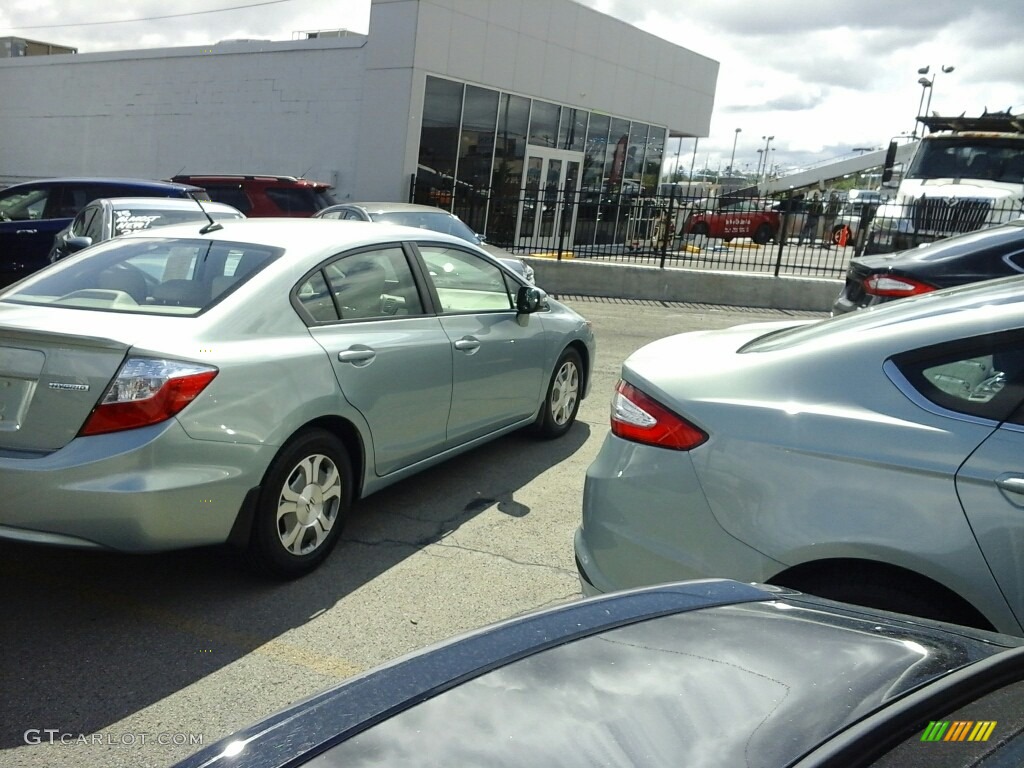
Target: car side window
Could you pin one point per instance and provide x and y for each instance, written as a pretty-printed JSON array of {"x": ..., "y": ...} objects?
[
  {"x": 981, "y": 377},
  {"x": 465, "y": 282},
  {"x": 93, "y": 224},
  {"x": 81, "y": 222},
  {"x": 19, "y": 205},
  {"x": 332, "y": 215},
  {"x": 367, "y": 284},
  {"x": 315, "y": 297}
]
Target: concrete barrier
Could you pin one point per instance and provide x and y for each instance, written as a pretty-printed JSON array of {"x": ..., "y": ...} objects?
[{"x": 699, "y": 286}]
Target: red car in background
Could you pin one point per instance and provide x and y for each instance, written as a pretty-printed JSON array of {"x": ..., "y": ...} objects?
[{"x": 756, "y": 219}]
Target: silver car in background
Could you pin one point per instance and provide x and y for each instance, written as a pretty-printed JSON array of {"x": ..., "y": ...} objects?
[
  {"x": 246, "y": 381},
  {"x": 110, "y": 217},
  {"x": 424, "y": 217},
  {"x": 876, "y": 458}
]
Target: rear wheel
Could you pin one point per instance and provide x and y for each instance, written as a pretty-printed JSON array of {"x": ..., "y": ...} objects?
[
  {"x": 909, "y": 596},
  {"x": 763, "y": 234},
  {"x": 304, "y": 501},
  {"x": 562, "y": 402},
  {"x": 699, "y": 229}
]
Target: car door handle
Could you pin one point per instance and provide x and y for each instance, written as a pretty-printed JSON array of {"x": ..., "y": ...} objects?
[
  {"x": 467, "y": 344},
  {"x": 1011, "y": 484},
  {"x": 26, "y": 231},
  {"x": 357, "y": 355}
]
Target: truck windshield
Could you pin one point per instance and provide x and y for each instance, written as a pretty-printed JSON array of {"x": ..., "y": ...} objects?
[{"x": 988, "y": 159}]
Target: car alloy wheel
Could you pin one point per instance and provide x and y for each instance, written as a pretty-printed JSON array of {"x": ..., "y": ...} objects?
[
  {"x": 563, "y": 397},
  {"x": 308, "y": 505},
  {"x": 303, "y": 504}
]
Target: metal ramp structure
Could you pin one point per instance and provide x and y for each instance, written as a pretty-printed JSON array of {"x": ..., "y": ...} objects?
[{"x": 819, "y": 176}]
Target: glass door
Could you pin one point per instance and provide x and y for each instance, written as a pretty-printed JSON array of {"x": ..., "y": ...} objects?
[{"x": 548, "y": 202}]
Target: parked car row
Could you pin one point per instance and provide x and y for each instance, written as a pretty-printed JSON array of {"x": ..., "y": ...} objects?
[
  {"x": 117, "y": 206},
  {"x": 872, "y": 458}
]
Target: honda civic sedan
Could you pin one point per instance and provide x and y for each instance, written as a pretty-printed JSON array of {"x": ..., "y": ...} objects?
[
  {"x": 245, "y": 381},
  {"x": 711, "y": 673},
  {"x": 876, "y": 457}
]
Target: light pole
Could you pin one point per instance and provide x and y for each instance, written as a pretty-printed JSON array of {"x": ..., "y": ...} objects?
[
  {"x": 767, "y": 143},
  {"x": 733, "y": 158},
  {"x": 760, "y": 157},
  {"x": 927, "y": 84}
]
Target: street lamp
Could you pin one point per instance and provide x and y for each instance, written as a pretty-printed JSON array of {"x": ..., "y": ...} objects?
[
  {"x": 767, "y": 143},
  {"x": 760, "y": 157},
  {"x": 733, "y": 158},
  {"x": 927, "y": 84}
]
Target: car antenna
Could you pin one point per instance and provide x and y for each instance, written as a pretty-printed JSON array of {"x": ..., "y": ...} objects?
[{"x": 213, "y": 226}]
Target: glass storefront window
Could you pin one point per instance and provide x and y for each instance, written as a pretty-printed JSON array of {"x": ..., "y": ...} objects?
[
  {"x": 572, "y": 131},
  {"x": 634, "y": 163},
  {"x": 476, "y": 152},
  {"x": 507, "y": 174},
  {"x": 652, "y": 159},
  {"x": 439, "y": 141},
  {"x": 544, "y": 124}
]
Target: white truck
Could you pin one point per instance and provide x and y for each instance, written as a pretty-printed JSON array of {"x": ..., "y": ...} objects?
[{"x": 967, "y": 173}]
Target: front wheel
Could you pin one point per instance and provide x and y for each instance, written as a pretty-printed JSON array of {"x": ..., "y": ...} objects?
[
  {"x": 305, "y": 498},
  {"x": 562, "y": 402}
]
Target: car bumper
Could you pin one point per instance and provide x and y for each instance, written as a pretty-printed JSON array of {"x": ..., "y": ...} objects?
[
  {"x": 141, "y": 490},
  {"x": 646, "y": 521}
]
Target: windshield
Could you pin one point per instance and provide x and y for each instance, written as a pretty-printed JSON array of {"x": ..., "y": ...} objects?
[
  {"x": 166, "y": 276},
  {"x": 989, "y": 159},
  {"x": 436, "y": 222}
]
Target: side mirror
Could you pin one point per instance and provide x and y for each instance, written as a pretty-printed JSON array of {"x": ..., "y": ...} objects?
[
  {"x": 528, "y": 299},
  {"x": 75, "y": 244},
  {"x": 890, "y": 162}
]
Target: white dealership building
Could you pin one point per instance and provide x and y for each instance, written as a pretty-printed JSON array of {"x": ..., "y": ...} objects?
[{"x": 473, "y": 98}]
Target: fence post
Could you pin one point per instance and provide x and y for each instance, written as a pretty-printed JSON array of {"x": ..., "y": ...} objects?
[
  {"x": 787, "y": 210},
  {"x": 412, "y": 188}
]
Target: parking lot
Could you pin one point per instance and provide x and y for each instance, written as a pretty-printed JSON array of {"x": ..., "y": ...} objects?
[{"x": 149, "y": 656}]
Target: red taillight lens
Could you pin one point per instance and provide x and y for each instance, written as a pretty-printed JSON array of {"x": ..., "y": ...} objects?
[
  {"x": 641, "y": 419},
  {"x": 147, "y": 391},
  {"x": 895, "y": 287}
]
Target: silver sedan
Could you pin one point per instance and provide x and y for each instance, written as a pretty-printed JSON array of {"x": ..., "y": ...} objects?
[
  {"x": 876, "y": 458},
  {"x": 245, "y": 381}
]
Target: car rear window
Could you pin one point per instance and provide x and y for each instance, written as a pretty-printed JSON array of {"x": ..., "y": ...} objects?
[
  {"x": 156, "y": 276},
  {"x": 137, "y": 219}
]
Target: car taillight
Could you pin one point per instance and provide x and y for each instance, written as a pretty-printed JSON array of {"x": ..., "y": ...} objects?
[
  {"x": 641, "y": 419},
  {"x": 895, "y": 287},
  {"x": 147, "y": 391}
]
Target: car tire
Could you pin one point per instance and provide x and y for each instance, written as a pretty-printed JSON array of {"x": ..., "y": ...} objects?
[
  {"x": 837, "y": 234},
  {"x": 699, "y": 229},
  {"x": 904, "y": 596},
  {"x": 763, "y": 234},
  {"x": 303, "y": 503},
  {"x": 562, "y": 399}
]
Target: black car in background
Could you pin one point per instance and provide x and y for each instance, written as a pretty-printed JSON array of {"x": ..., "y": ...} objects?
[
  {"x": 981, "y": 255},
  {"x": 710, "y": 673},
  {"x": 31, "y": 214}
]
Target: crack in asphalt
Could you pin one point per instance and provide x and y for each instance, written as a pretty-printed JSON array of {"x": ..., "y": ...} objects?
[{"x": 421, "y": 545}]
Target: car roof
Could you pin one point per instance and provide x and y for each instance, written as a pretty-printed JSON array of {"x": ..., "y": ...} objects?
[
  {"x": 385, "y": 207},
  {"x": 316, "y": 236},
  {"x": 142, "y": 183},
  {"x": 958, "y": 312},
  {"x": 267, "y": 178},
  {"x": 165, "y": 204}
]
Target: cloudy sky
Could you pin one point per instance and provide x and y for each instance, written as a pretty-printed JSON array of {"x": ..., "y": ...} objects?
[{"x": 821, "y": 77}]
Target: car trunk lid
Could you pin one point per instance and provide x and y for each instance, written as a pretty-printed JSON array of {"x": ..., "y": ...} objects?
[{"x": 49, "y": 384}]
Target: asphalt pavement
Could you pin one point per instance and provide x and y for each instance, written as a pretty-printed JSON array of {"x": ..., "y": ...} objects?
[{"x": 137, "y": 661}]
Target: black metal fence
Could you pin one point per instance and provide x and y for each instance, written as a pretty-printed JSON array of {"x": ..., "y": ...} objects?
[{"x": 766, "y": 235}]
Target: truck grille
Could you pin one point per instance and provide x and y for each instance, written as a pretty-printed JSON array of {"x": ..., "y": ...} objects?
[{"x": 950, "y": 215}]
